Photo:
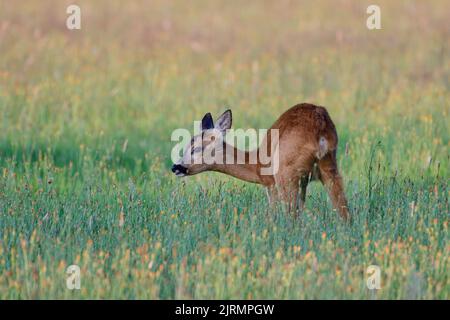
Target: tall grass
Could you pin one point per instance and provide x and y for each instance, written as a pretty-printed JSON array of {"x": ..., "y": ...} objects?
[{"x": 86, "y": 118}]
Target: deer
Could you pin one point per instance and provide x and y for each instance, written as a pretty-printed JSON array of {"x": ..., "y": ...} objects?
[{"x": 307, "y": 147}]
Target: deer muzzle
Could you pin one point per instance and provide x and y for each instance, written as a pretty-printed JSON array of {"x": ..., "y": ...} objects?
[{"x": 179, "y": 170}]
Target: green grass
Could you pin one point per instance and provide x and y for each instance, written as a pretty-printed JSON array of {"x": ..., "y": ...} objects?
[{"x": 86, "y": 119}]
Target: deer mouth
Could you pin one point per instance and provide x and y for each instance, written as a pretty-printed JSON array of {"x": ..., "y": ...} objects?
[{"x": 179, "y": 170}]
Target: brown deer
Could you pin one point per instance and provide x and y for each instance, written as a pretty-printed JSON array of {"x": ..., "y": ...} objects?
[{"x": 307, "y": 143}]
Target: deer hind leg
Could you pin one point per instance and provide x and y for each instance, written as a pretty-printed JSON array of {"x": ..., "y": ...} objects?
[{"x": 329, "y": 175}]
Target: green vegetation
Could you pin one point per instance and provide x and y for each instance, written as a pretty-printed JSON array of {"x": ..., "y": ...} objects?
[{"x": 86, "y": 118}]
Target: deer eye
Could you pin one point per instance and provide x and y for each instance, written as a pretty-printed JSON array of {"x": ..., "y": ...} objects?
[{"x": 198, "y": 149}]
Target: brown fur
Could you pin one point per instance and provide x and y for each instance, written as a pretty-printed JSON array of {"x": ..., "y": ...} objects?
[
  {"x": 307, "y": 151},
  {"x": 307, "y": 142}
]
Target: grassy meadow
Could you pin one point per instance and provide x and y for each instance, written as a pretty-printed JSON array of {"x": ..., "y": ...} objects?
[{"x": 86, "y": 118}]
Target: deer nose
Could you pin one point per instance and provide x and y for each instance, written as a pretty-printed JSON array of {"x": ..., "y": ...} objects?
[{"x": 179, "y": 169}]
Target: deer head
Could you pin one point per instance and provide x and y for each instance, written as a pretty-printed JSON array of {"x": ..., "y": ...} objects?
[{"x": 200, "y": 153}]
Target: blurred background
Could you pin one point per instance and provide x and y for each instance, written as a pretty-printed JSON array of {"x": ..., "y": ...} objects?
[
  {"x": 139, "y": 69},
  {"x": 86, "y": 118}
]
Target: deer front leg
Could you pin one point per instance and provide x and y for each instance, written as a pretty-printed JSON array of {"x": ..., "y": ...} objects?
[
  {"x": 271, "y": 195},
  {"x": 287, "y": 193},
  {"x": 331, "y": 179},
  {"x": 303, "y": 186}
]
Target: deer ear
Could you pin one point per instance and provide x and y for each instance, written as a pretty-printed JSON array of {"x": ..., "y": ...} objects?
[
  {"x": 224, "y": 121},
  {"x": 207, "y": 122}
]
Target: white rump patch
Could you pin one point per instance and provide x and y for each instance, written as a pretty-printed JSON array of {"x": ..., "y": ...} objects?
[{"x": 323, "y": 148}]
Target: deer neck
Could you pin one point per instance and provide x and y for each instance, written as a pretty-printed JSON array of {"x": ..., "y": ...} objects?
[{"x": 240, "y": 164}]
